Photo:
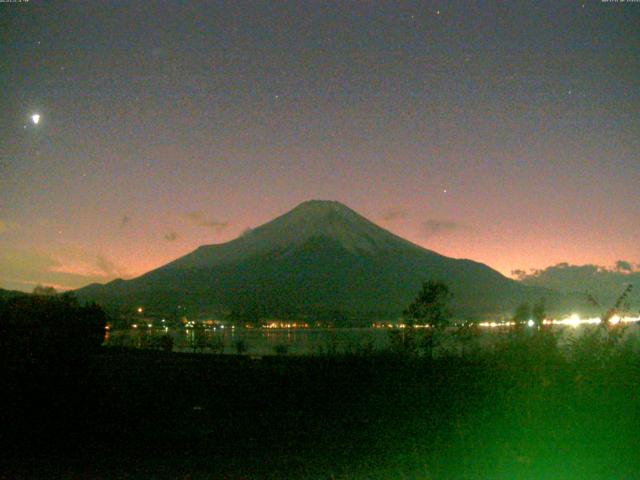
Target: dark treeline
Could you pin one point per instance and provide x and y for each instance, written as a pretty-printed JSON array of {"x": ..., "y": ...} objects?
[
  {"x": 47, "y": 327},
  {"x": 47, "y": 342}
]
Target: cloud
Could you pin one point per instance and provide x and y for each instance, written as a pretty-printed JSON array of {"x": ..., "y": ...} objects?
[
  {"x": 24, "y": 269},
  {"x": 28, "y": 261},
  {"x": 199, "y": 219},
  {"x": 395, "y": 214},
  {"x": 124, "y": 221},
  {"x": 606, "y": 283},
  {"x": 519, "y": 274},
  {"x": 431, "y": 228},
  {"x": 64, "y": 270},
  {"x": 109, "y": 268},
  {"x": 171, "y": 236}
]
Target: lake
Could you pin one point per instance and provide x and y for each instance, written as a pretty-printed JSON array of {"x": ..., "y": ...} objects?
[{"x": 310, "y": 341}]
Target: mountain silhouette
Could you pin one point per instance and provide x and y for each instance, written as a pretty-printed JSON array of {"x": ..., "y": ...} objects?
[{"x": 320, "y": 257}]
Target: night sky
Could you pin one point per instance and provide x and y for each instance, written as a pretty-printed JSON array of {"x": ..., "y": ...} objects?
[{"x": 504, "y": 132}]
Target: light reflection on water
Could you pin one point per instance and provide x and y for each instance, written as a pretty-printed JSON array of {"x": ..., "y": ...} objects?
[
  {"x": 260, "y": 341},
  {"x": 309, "y": 341}
]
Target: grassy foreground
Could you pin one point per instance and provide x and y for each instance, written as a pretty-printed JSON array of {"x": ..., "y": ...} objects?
[{"x": 510, "y": 414}]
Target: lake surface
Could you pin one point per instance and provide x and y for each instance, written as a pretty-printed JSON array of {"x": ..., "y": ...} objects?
[
  {"x": 310, "y": 341},
  {"x": 262, "y": 341}
]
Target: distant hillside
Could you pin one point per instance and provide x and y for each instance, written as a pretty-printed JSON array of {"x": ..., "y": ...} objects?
[
  {"x": 10, "y": 293},
  {"x": 320, "y": 257},
  {"x": 605, "y": 284}
]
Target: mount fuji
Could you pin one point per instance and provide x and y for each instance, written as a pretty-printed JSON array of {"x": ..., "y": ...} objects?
[{"x": 318, "y": 258}]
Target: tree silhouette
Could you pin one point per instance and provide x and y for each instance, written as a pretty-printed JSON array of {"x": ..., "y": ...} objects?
[
  {"x": 522, "y": 313},
  {"x": 539, "y": 312},
  {"x": 50, "y": 328},
  {"x": 620, "y": 307},
  {"x": 44, "y": 291},
  {"x": 431, "y": 306}
]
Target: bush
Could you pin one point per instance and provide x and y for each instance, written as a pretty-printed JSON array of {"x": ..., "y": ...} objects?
[
  {"x": 166, "y": 343},
  {"x": 241, "y": 346},
  {"x": 281, "y": 349},
  {"x": 403, "y": 341},
  {"x": 526, "y": 347},
  {"x": 599, "y": 347},
  {"x": 215, "y": 344}
]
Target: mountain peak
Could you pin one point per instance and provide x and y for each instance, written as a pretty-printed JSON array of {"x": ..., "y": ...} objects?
[
  {"x": 320, "y": 210},
  {"x": 321, "y": 205},
  {"x": 310, "y": 220},
  {"x": 329, "y": 219}
]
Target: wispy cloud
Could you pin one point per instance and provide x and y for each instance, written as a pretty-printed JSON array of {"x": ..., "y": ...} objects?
[
  {"x": 69, "y": 269},
  {"x": 519, "y": 274},
  {"x": 396, "y": 213},
  {"x": 171, "y": 236},
  {"x": 433, "y": 227},
  {"x": 200, "y": 219},
  {"x": 109, "y": 268}
]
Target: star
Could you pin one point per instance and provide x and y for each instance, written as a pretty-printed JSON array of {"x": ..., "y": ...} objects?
[{"x": 35, "y": 118}]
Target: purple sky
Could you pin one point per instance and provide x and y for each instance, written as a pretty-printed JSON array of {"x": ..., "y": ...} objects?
[{"x": 508, "y": 133}]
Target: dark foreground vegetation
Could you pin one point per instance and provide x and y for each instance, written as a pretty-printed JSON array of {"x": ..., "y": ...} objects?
[
  {"x": 522, "y": 410},
  {"x": 508, "y": 414}
]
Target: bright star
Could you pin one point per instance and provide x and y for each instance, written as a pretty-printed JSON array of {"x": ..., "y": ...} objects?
[{"x": 35, "y": 118}]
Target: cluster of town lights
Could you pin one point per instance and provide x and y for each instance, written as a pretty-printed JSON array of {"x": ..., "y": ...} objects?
[
  {"x": 286, "y": 325},
  {"x": 573, "y": 320}
]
